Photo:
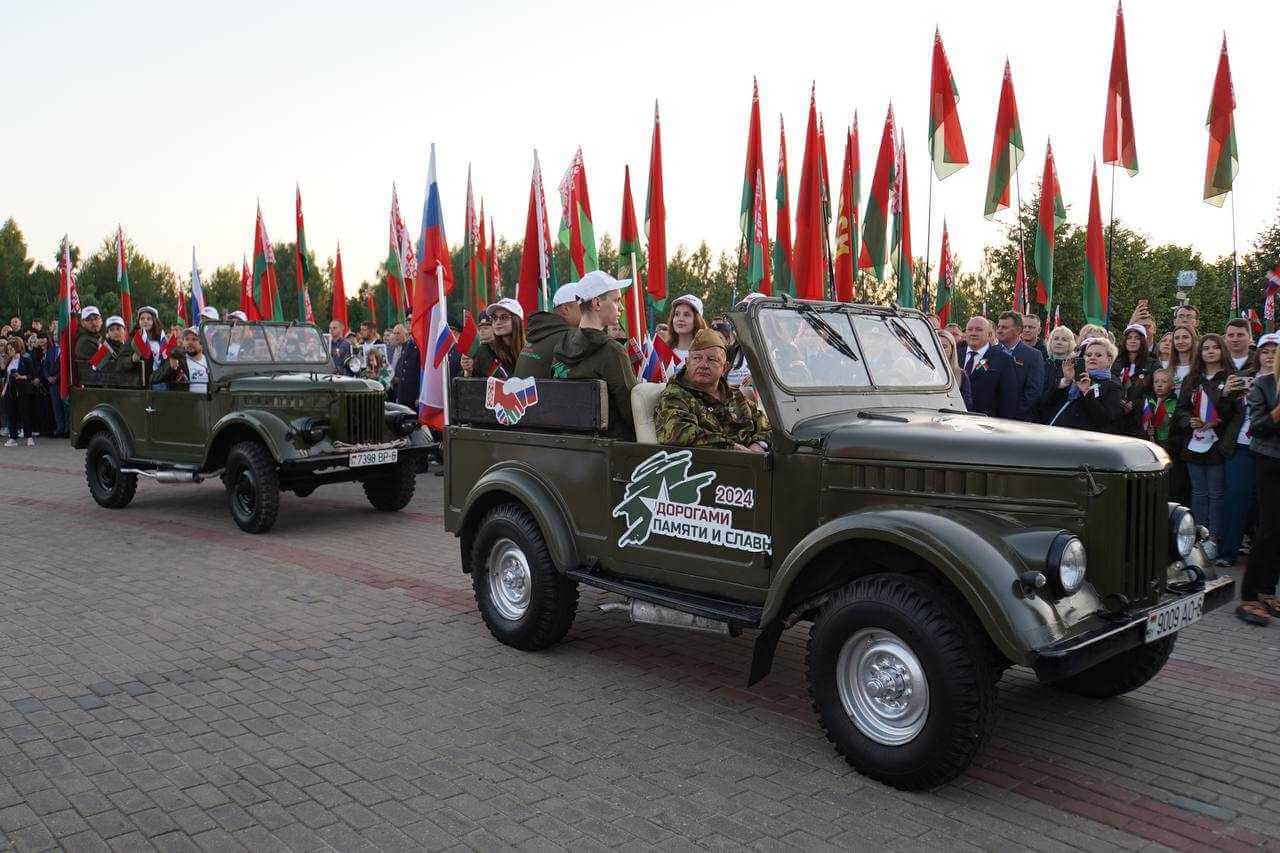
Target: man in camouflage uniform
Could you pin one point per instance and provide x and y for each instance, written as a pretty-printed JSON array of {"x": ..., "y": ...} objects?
[{"x": 699, "y": 409}]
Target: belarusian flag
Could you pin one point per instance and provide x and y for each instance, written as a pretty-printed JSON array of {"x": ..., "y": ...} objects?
[
  {"x": 655, "y": 222},
  {"x": 901, "y": 252},
  {"x": 782, "y": 276},
  {"x": 846, "y": 227},
  {"x": 468, "y": 342},
  {"x": 247, "y": 305},
  {"x": 101, "y": 354},
  {"x": 753, "y": 171},
  {"x": 122, "y": 276},
  {"x": 1020, "y": 284},
  {"x": 395, "y": 275},
  {"x": 264, "y": 273},
  {"x": 629, "y": 248},
  {"x": 300, "y": 262},
  {"x": 1006, "y": 149},
  {"x": 472, "y": 300},
  {"x": 482, "y": 260},
  {"x": 1050, "y": 217},
  {"x": 1096, "y": 283},
  {"x": 946, "y": 281},
  {"x": 946, "y": 140},
  {"x": 495, "y": 272},
  {"x": 875, "y": 224},
  {"x": 408, "y": 262},
  {"x": 68, "y": 320},
  {"x": 807, "y": 254},
  {"x": 1119, "y": 147},
  {"x": 535, "y": 255},
  {"x": 577, "y": 234},
  {"x": 758, "y": 241},
  {"x": 1224, "y": 160},
  {"x": 338, "y": 305}
]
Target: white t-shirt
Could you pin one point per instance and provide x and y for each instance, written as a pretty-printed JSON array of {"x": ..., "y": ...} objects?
[
  {"x": 198, "y": 374},
  {"x": 1180, "y": 373},
  {"x": 1239, "y": 362}
]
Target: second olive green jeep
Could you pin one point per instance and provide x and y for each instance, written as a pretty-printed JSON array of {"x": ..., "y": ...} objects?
[
  {"x": 928, "y": 548},
  {"x": 274, "y": 417}
]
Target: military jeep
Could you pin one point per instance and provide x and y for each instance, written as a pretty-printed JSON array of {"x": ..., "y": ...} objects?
[
  {"x": 274, "y": 417},
  {"x": 929, "y": 548}
]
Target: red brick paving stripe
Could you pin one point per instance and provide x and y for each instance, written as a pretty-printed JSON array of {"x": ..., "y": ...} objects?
[
  {"x": 1220, "y": 678},
  {"x": 42, "y": 469}
]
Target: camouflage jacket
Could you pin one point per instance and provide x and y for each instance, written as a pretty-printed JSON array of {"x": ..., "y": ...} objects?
[{"x": 688, "y": 417}]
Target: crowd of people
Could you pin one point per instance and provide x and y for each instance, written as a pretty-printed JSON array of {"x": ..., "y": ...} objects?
[{"x": 1209, "y": 399}]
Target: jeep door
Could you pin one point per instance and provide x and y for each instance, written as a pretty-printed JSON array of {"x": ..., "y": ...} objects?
[
  {"x": 694, "y": 518},
  {"x": 177, "y": 425}
]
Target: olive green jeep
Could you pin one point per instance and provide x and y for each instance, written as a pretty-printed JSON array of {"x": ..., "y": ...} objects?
[
  {"x": 274, "y": 417},
  {"x": 929, "y": 549}
]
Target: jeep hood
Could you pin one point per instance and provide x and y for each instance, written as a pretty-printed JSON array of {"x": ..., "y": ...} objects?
[
  {"x": 933, "y": 437},
  {"x": 301, "y": 382}
]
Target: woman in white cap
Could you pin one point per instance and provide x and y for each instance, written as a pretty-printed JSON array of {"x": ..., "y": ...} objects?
[
  {"x": 498, "y": 357},
  {"x": 1133, "y": 369},
  {"x": 148, "y": 322},
  {"x": 684, "y": 320}
]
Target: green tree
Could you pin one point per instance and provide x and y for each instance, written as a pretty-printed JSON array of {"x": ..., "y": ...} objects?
[{"x": 150, "y": 282}]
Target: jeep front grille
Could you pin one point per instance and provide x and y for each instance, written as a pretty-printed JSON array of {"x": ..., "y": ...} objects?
[
  {"x": 1127, "y": 534},
  {"x": 363, "y": 418}
]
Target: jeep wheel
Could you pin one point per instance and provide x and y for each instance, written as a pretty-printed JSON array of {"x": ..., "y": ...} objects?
[
  {"x": 524, "y": 601},
  {"x": 1122, "y": 673},
  {"x": 109, "y": 487},
  {"x": 899, "y": 682},
  {"x": 391, "y": 492},
  {"x": 253, "y": 487}
]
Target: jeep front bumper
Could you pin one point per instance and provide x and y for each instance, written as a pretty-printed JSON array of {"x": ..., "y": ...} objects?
[{"x": 1082, "y": 651}]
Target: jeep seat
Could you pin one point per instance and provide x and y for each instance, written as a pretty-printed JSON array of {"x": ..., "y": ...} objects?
[{"x": 644, "y": 408}]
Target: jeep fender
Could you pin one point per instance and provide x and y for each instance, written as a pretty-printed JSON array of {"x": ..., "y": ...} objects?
[
  {"x": 981, "y": 556},
  {"x": 104, "y": 417},
  {"x": 524, "y": 486},
  {"x": 270, "y": 429}
]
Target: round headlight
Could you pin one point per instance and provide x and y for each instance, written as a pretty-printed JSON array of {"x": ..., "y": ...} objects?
[
  {"x": 1182, "y": 529},
  {"x": 1066, "y": 563},
  {"x": 314, "y": 430}
]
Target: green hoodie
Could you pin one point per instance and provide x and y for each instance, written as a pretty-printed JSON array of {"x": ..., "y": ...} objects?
[
  {"x": 546, "y": 332},
  {"x": 592, "y": 354}
]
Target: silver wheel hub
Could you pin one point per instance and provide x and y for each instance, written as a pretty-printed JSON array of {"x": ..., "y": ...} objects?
[
  {"x": 883, "y": 686},
  {"x": 510, "y": 581}
]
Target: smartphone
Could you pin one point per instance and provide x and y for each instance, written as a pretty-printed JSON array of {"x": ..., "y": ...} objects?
[{"x": 1081, "y": 370}]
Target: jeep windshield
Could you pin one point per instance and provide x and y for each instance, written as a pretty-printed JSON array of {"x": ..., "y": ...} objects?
[
  {"x": 251, "y": 343},
  {"x": 816, "y": 349}
]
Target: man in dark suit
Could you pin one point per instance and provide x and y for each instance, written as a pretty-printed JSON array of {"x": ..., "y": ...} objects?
[
  {"x": 992, "y": 381},
  {"x": 1028, "y": 364}
]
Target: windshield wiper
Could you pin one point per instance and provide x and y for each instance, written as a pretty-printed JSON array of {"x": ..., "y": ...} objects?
[
  {"x": 824, "y": 331},
  {"x": 909, "y": 340}
]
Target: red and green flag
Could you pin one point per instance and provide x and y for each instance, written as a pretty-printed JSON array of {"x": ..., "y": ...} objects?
[
  {"x": 946, "y": 281},
  {"x": 68, "y": 320},
  {"x": 338, "y": 305},
  {"x": 394, "y": 294},
  {"x": 468, "y": 342},
  {"x": 482, "y": 260},
  {"x": 1096, "y": 284},
  {"x": 265, "y": 289},
  {"x": 1119, "y": 147},
  {"x": 495, "y": 272},
  {"x": 875, "y": 224},
  {"x": 946, "y": 140},
  {"x": 1006, "y": 149},
  {"x": 122, "y": 276},
  {"x": 1224, "y": 159},
  {"x": 1049, "y": 218},
  {"x": 577, "y": 234},
  {"x": 846, "y": 227},
  {"x": 901, "y": 251},
  {"x": 301, "y": 263},
  {"x": 631, "y": 257},
  {"x": 758, "y": 241},
  {"x": 536, "y": 270},
  {"x": 472, "y": 291},
  {"x": 655, "y": 222},
  {"x": 761, "y": 279},
  {"x": 782, "y": 277},
  {"x": 247, "y": 304},
  {"x": 807, "y": 257}
]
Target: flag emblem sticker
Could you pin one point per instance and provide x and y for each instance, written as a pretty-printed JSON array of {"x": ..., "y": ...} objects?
[{"x": 510, "y": 398}]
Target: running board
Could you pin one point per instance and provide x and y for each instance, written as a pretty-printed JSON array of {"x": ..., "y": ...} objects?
[{"x": 734, "y": 613}]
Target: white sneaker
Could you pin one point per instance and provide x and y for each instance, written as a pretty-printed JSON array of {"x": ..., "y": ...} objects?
[
  {"x": 11, "y": 443},
  {"x": 31, "y": 442}
]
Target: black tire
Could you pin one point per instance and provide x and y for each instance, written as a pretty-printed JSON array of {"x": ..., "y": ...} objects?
[
  {"x": 391, "y": 492},
  {"x": 102, "y": 462},
  {"x": 551, "y": 600},
  {"x": 253, "y": 487},
  {"x": 946, "y": 644},
  {"x": 1122, "y": 673}
]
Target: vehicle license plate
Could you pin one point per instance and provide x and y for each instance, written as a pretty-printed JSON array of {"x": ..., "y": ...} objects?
[
  {"x": 1174, "y": 617},
  {"x": 375, "y": 457}
]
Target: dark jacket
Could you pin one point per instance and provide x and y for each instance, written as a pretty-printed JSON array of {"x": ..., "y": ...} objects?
[
  {"x": 1265, "y": 432},
  {"x": 174, "y": 378},
  {"x": 592, "y": 354},
  {"x": 1052, "y": 376},
  {"x": 50, "y": 368},
  {"x": 1225, "y": 405},
  {"x": 489, "y": 363},
  {"x": 1136, "y": 388},
  {"x": 992, "y": 382},
  {"x": 1098, "y": 411},
  {"x": 966, "y": 391},
  {"x": 408, "y": 376},
  {"x": 87, "y": 344},
  {"x": 339, "y": 352},
  {"x": 1232, "y": 426},
  {"x": 18, "y": 382},
  {"x": 546, "y": 332},
  {"x": 1028, "y": 366}
]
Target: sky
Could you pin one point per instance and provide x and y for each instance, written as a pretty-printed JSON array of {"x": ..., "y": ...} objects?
[{"x": 176, "y": 119}]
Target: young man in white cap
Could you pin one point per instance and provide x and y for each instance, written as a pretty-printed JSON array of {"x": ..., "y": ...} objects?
[
  {"x": 208, "y": 312},
  {"x": 89, "y": 338},
  {"x": 588, "y": 352},
  {"x": 119, "y": 369},
  {"x": 546, "y": 332}
]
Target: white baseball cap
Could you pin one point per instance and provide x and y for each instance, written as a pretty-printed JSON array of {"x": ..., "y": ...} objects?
[
  {"x": 1271, "y": 338},
  {"x": 751, "y": 297},
  {"x": 237, "y": 315},
  {"x": 565, "y": 294},
  {"x": 689, "y": 299},
  {"x": 598, "y": 283},
  {"x": 1136, "y": 327},
  {"x": 114, "y": 320},
  {"x": 89, "y": 311},
  {"x": 209, "y": 312},
  {"x": 507, "y": 304},
  {"x": 153, "y": 311}
]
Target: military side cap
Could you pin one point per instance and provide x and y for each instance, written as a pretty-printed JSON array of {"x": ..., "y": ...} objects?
[{"x": 706, "y": 339}]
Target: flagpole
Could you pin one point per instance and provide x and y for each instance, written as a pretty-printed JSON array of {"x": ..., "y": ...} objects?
[
  {"x": 635, "y": 298},
  {"x": 928, "y": 242},
  {"x": 444, "y": 386},
  {"x": 1235, "y": 268},
  {"x": 1111, "y": 236}
]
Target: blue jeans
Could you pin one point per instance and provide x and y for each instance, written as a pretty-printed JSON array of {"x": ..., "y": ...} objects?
[
  {"x": 1208, "y": 490},
  {"x": 1238, "y": 504}
]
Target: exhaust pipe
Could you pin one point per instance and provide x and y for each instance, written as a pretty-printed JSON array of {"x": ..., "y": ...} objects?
[
  {"x": 167, "y": 476},
  {"x": 648, "y": 613}
]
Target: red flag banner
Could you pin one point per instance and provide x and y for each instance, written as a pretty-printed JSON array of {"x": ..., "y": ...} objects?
[
  {"x": 655, "y": 221},
  {"x": 808, "y": 256},
  {"x": 338, "y": 305},
  {"x": 946, "y": 140},
  {"x": 846, "y": 227},
  {"x": 1224, "y": 159},
  {"x": 1006, "y": 148},
  {"x": 875, "y": 224},
  {"x": 535, "y": 255},
  {"x": 782, "y": 242},
  {"x": 1119, "y": 147},
  {"x": 757, "y": 270},
  {"x": 1095, "y": 290}
]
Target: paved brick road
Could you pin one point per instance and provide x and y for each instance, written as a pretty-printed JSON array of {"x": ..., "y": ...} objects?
[{"x": 166, "y": 680}]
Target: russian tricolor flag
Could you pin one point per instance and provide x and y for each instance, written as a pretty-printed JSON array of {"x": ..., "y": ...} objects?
[
  {"x": 1204, "y": 408},
  {"x": 197, "y": 292},
  {"x": 434, "y": 281}
]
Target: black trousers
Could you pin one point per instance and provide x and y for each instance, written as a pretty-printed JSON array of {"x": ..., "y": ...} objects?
[
  {"x": 17, "y": 412},
  {"x": 1263, "y": 567}
]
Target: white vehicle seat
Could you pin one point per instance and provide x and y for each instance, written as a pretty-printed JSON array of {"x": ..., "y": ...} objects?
[{"x": 644, "y": 407}]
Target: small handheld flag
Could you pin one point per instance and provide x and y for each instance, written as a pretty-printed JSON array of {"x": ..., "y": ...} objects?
[
  {"x": 170, "y": 344},
  {"x": 1204, "y": 408},
  {"x": 140, "y": 343},
  {"x": 100, "y": 356}
]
